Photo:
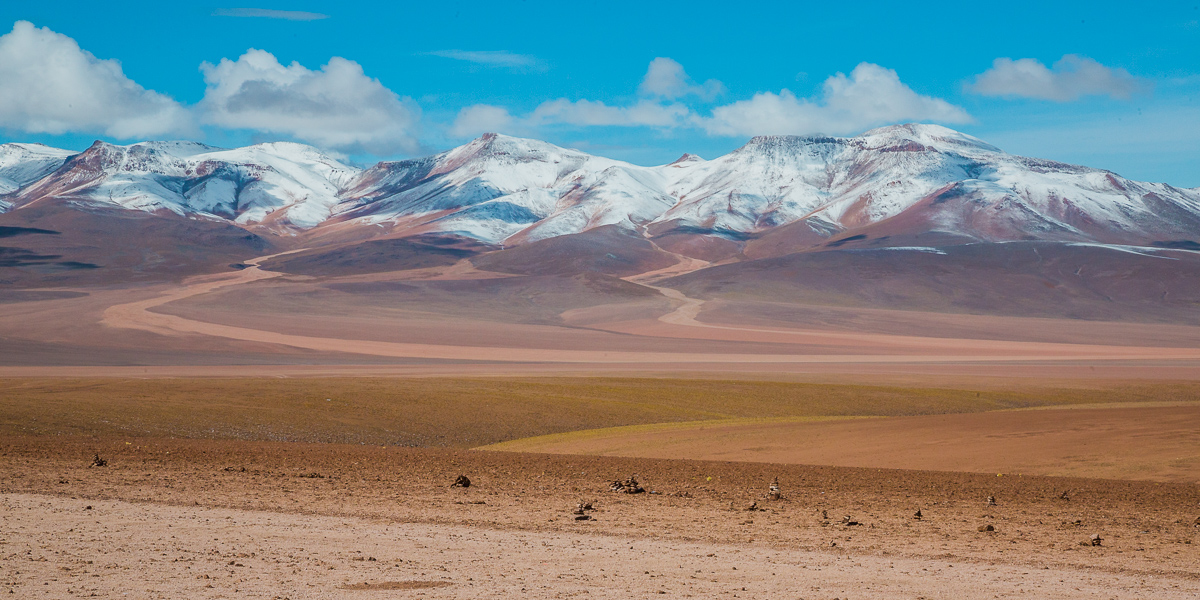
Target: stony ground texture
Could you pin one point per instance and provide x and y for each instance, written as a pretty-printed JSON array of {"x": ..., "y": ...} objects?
[
  {"x": 58, "y": 547},
  {"x": 304, "y": 520}
]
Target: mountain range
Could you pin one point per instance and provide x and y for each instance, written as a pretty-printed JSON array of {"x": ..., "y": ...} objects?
[
  {"x": 501, "y": 190},
  {"x": 168, "y": 209}
]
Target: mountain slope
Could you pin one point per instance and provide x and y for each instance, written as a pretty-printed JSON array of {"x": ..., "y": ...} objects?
[
  {"x": 498, "y": 188},
  {"x": 914, "y": 179},
  {"x": 22, "y": 164},
  {"x": 894, "y": 186},
  {"x": 279, "y": 186}
]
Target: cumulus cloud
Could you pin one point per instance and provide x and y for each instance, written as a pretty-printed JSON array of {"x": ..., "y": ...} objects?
[
  {"x": 492, "y": 58},
  {"x": 481, "y": 118},
  {"x": 665, "y": 81},
  {"x": 337, "y": 107},
  {"x": 266, "y": 13},
  {"x": 666, "y": 78},
  {"x": 591, "y": 113},
  {"x": 1071, "y": 78},
  {"x": 48, "y": 84},
  {"x": 871, "y": 95}
]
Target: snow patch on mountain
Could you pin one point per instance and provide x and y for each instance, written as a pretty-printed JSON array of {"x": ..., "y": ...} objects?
[{"x": 22, "y": 164}]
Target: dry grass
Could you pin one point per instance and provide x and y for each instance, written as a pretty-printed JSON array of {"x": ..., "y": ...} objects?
[{"x": 464, "y": 413}]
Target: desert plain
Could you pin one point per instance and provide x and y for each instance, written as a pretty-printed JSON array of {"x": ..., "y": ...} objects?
[{"x": 282, "y": 431}]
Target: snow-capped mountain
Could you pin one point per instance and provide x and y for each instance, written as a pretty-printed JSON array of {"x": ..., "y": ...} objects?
[
  {"x": 938, "y": 179},
  {"x": 282, "y": 186},
  {"x": 776, "y": 194},
  {"x": 22, "y": 164},
  {"x": 499, "y": 188}
]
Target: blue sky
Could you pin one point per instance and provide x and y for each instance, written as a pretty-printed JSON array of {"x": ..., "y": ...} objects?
[{"x": 1106, "y": 85}]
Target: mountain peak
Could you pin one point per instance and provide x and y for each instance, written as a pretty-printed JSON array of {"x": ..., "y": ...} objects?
[
  {"x": 686, "y": 159},
  {"x": 786, "y": 142},
  {"x": 923, "y": 133}
]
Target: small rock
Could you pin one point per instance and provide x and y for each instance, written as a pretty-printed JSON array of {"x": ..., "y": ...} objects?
[
  {"x": 1066, "y": 495},
  {"x": 986, "y": 528},
  {"x": 581, "y": 509},
  {"x": 917, "y": 515},
  {"x": 1096, "y": 539},
  {"x": 774, "y": 493},
  {"x": 753, "y": 506},
  {"x": 98, "y": 462},
  {"x": 991, "y": 501},
  {"x": 461, "y": 481}
]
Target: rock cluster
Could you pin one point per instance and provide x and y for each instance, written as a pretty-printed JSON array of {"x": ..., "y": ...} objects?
[
  {"x": 98, "y": 462},
  {"x": 627, "y": 486}
]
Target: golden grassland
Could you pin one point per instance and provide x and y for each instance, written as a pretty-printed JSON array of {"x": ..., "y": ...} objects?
[{"x": 472, "y": 412}]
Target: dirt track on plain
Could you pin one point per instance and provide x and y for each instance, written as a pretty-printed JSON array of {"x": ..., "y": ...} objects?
[{"x": 879, "y": 349}]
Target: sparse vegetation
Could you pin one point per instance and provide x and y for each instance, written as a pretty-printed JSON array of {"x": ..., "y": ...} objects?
[{"x": 471, "y": 412}]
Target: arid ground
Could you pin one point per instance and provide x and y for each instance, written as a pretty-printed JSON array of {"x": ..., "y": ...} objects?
[
  {"x": 341, "y": 488},
  {"x": 275, "y": 434}
]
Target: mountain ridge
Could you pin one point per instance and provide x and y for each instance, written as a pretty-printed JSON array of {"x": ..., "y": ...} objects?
[{"x": 773, "y": 195}]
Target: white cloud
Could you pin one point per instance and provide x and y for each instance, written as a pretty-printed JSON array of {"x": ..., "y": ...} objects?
[
  {"x": 871, "y": 95},
  {"x": 48, "y": 84},
  {"x": 591, "y": 113},
  {"x": 266, "y": 13},
  {"x": 667, "y": 79},
  {"x": 337, "y": 107},
  {"x": 1071, "y": 78},
  {"x": 492, "y": 58},
  {"x": 481, "y": 118}
]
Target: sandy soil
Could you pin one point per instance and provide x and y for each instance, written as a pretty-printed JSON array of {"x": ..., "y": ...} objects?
[
  {"x": 171, "y": 517},
  {"x": 471, "y": 412},
  {"x": 1159, "y": 443},
  {"x": 57, "y": 547}
]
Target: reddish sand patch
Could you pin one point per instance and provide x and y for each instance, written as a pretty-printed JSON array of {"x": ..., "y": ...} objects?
[{"x": 1150, "y": 443}]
